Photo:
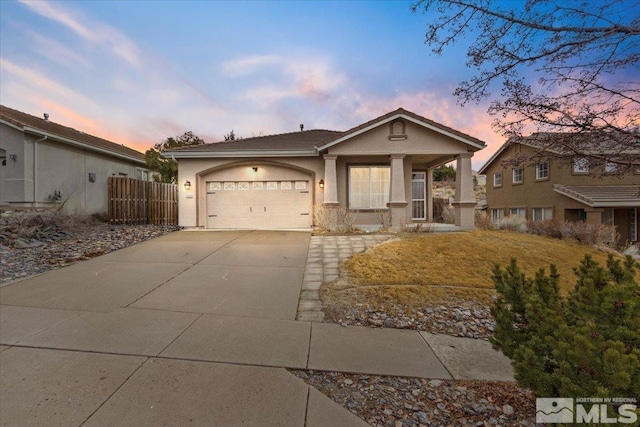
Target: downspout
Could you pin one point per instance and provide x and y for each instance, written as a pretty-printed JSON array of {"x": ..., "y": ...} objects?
[{"x": 35, "y": 168}]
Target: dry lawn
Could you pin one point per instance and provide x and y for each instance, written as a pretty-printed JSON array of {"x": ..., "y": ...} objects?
[{"x": 436, "y": 266}]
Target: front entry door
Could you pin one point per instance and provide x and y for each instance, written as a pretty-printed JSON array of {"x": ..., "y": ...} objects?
[{"x": 418, "y": 196}]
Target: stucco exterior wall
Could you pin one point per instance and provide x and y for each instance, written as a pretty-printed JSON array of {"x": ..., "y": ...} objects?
[
  {"x": 16, "y": 182},
  {"x": 419, "y": 140},
  {"x": 192, "y": 212},
  {"x": 532, "y": 193},
  {"x": 59, "y": 168}
]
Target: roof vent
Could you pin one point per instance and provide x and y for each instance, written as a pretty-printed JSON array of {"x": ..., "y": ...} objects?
[
  {"x": 301, "y": 127},
  {"x": 46, "y": 117}
]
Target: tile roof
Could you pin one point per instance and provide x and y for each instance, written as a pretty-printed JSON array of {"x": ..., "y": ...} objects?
[
  {"x": 24, "y": 120},
  {"x": 602, "y": 196},
  {"x": 302, "y": 140},
  {"x": 307, "y": 140}
]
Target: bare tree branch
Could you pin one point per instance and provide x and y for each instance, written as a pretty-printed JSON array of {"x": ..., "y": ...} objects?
[{"x": 551, "y": 67}]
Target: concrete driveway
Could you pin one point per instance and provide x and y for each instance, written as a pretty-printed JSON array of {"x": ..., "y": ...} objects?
[
  {"x": 129, "y": 338},
  {"x": 193, "y": 328}
]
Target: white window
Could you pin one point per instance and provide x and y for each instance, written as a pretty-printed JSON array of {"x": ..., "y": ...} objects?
[
  {"x": 521, "y": 212},
  {"x": 610, "y": 167},
  {"x": 540, "y": 214},
  {"x": 542, "y": 170},
  {"x": 518, "y": 175},
  {"x": 580, "y": 165},
  {"x": 497, "y": 215},
  {"x": 369, "y": 187},
  {"x": 142, "y": 174},
  {"x": 497, "y": 179}
]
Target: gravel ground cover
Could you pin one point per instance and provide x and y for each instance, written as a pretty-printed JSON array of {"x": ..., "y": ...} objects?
[
  {"x": 33, "y": 244},
  {"x": 414, "y": 402}
]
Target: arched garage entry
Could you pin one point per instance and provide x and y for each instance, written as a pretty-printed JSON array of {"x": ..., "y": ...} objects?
[{"x": 258, "y": 195}]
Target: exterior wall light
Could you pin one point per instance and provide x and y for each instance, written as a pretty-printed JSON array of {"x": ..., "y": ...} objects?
[
  {"x": 255, "y": 168},
  {"x": 321, "y": 183},
  {"x": 187, "y": 185}
]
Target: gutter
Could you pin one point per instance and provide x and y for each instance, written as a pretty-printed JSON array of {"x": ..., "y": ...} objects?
[
  {"x": 82, "y": 145},
  {"x": 230, "y": 154}
]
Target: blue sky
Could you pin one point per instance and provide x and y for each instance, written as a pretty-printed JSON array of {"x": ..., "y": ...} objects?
[{"x": 136, "y": 72}]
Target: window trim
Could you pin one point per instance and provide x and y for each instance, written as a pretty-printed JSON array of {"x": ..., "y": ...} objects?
[
  {"x": 496, "y": 174},
  {"x": 502, "y": 216},
  {"x": 513, "y": 176},
  {"x": 610, "y": 168},
  {"x": 586, "y": 166},
  {"x": 369, "y": 166},
  {"x": 538, "y": 168},
  {"x": 533, "y": 208},
  {"x": 520, "y": 208}
]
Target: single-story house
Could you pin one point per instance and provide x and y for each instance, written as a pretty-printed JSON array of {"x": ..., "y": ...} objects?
[
  {"x": 45, "y": 164},
  {"x": 278, "y": 181},
  {"x": 565, "y": 191}
]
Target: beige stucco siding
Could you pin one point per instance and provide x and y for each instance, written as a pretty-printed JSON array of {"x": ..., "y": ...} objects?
[
  {"x": 419, "y": 141},
  {"x": 192, "y": 212}
]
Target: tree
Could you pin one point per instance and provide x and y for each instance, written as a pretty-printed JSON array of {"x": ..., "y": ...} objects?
[
  {"x": 444, "y": 173},
  {"x": 585, "y": 345},
  {"x": 231, "y": 136},
  {"x": 567, "y": 71},
  {"x": 167, "y": 169}
]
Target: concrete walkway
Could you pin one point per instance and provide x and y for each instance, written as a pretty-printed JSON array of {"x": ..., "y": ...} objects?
[{"x": 196, "y": 328}]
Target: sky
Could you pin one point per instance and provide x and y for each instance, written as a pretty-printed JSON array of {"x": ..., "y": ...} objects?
[{"x": 137, "y": 72}]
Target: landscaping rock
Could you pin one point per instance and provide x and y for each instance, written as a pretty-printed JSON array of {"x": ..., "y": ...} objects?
[
  {"x": 27, "y": 249},
  {"x": 390, "y": 401}
]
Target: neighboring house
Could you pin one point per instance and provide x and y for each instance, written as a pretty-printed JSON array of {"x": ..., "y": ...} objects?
[
  {"x": 44, "y": 164},
  {"x": 563, "y": 191},
  {"x": 277, "y": 181}
]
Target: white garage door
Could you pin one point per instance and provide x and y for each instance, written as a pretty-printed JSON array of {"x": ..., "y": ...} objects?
[{"x": 258, "y": 204}]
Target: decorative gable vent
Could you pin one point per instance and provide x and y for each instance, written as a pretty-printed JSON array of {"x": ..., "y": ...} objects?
[{"x": 397, "y": 130}]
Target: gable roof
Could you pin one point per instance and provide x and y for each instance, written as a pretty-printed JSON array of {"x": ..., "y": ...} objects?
[
  {"x": 602, "y": 196},
  {"x": 310, "y": 142},
  {"x": 54, "y": 131},
  {"x": 475, "y": 143},
  {"x": 543, "y": 140}
]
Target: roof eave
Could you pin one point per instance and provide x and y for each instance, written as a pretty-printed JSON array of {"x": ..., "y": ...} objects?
[
  {"x": 406, "y": 117},
  {"x": 239, "y": 153},
  {"x": 79, "y": 144},
  {"x": 598, "y": 203}
]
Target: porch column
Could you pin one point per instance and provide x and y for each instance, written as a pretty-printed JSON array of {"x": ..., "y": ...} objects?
[
  {"x": 330, "y": 181},
  {"x": 429, "y": 184},
  {"x": 397, "y": 199},
  {"x": 465, "y": 202}
]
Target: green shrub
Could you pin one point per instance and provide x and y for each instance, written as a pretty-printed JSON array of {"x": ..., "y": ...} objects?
[{"x": 587, "y": 345}]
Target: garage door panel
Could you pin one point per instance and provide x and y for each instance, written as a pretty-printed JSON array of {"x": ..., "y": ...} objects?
[{"x": 260, "y": 204}]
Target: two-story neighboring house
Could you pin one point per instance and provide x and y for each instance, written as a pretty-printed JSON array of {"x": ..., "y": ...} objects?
[
  {"x": 45, "y": 164},
  {"x": 562, "y": 191}
]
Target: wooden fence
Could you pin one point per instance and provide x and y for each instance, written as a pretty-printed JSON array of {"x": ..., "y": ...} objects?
[{"x": 141, "y": 202}]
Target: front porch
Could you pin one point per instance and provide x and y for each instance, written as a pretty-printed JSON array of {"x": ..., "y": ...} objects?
[{"x": 399, "y": 184}]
